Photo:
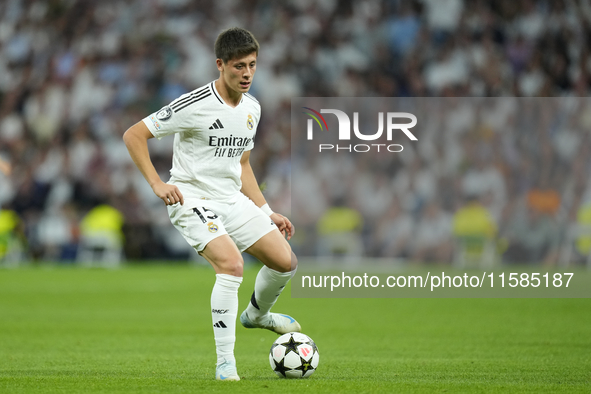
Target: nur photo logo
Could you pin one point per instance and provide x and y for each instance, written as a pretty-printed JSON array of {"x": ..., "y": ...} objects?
[{"x": 392, "y": 120}]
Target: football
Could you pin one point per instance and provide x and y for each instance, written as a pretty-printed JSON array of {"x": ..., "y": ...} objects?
[{"x": 294, "y": 355}]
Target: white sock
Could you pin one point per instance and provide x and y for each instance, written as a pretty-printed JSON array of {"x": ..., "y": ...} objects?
[
  {"x": 268, "y": 286},
  {"x": 224, "y": 308}
]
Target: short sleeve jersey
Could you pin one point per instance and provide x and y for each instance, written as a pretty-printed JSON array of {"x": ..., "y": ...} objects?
[{"x": 210, "y": 138}]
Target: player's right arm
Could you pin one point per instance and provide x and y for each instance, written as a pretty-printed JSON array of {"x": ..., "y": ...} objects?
[{"x": 136, "y": 139}]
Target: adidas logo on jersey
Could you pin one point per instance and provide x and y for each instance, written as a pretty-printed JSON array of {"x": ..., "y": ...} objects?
[
  {"x": 220, "y": 324},
  {"x": 216, "y": 125}
]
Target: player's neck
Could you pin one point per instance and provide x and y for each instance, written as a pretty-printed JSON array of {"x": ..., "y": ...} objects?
[{"x": 232, "y": 98}]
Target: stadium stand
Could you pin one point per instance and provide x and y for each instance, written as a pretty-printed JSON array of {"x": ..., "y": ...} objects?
[{"x": 75, "y": 74}]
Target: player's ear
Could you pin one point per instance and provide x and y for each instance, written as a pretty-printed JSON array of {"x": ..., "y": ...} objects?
[{"x": 220, "y": 64}]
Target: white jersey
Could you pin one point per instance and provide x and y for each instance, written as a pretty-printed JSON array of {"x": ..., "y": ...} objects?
[{"x": 210, "y": 138}]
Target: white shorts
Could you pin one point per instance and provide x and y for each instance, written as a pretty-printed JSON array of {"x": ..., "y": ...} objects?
[{"x": 201, "y": 220}]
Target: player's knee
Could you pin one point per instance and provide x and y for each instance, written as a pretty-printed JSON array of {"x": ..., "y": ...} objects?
[
  {"x": 231, "y": 266},
  {"x": 294, "y": 261},
  {"x": 287, "y": 262}
]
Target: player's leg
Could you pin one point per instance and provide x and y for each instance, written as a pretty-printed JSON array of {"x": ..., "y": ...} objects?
[
  {"x": 203, "y": 229},
  {"x": 255, "y": 233},
  {"x": 279, "y": 265},
  {"x": 224, "y": 256},
  {"x": 227, "y": 262}
]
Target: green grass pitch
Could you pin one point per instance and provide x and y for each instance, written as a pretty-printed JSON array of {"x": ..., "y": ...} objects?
[{"x": 148, "y": 329}]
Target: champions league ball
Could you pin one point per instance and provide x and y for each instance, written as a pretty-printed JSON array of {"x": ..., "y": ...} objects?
[{"x": 294, "y": 355}]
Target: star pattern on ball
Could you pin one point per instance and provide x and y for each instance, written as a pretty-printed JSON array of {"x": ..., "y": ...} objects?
[
  {"x": 279, "y": 367},
  {"x": 305, "y": 366},
  {"x": 291, "y": 346}
]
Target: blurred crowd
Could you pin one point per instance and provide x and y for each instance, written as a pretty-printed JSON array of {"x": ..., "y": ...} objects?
[
  {"x": 74, "y": 75},
  {"x": 509, "y": 174}
]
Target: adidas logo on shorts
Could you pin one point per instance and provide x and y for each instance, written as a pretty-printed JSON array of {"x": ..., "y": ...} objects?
[{"x": 216, "y": 125}]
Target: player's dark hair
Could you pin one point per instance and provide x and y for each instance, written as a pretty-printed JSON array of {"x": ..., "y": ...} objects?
[{"x": 235, "y": 42}]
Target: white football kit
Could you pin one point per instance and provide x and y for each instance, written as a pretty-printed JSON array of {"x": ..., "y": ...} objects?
[{"x": 210, "y": 138}]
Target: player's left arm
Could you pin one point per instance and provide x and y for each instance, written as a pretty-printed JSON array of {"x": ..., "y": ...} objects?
[{"x": 251, "y": 189}]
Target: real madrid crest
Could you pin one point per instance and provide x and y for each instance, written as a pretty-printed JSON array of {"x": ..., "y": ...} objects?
[
  {"x": 212, "y": 227},
  {"x": 250, "y": 122}
]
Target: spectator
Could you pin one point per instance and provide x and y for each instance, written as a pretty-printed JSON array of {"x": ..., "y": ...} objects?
[
  {"x": 395, "y": 231},
  {"x": 433, "y": 236},
  {"x": 475, "y": 233},
  {"x": 339, "y": 231},
  {"x": 532, "y": 236}
]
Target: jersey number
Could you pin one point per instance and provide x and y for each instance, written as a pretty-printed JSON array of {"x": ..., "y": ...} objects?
[{"x": 201, "y": 215}]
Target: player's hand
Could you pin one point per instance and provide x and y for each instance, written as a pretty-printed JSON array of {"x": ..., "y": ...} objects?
[
  {"x": 170, "y": 194},
  {"x": 284, "y": 225}
]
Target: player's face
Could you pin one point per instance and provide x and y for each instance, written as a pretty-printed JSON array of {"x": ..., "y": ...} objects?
[{"x": 237, "y": 73}]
